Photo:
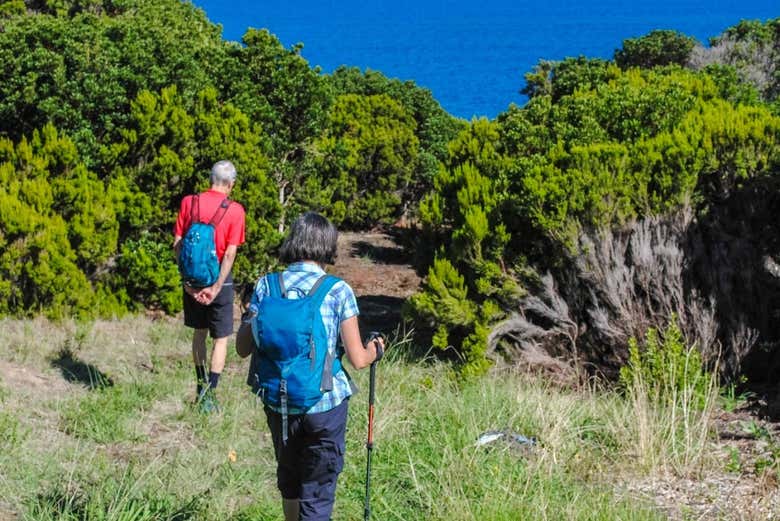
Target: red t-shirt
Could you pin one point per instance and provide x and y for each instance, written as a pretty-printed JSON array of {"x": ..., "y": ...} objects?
[{"x": 229, "y": 231}]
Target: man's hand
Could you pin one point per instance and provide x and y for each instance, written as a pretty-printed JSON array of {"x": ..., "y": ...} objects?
[
  {"x": 201, "y": 295},
  {"x": 207, "y": 295}
]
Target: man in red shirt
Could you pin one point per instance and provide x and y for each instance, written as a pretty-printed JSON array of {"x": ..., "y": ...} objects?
[{"x": 210, "y": 310}]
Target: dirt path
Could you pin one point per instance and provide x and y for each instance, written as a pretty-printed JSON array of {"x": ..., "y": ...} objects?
[
  {"x": 380, "y": 273},
  {"x": 17, "y": 376}
]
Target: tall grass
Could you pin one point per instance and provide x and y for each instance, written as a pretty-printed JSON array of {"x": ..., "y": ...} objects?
[
  {"x": 672, "y": 400},
  {"x": 138, "y": 450}
]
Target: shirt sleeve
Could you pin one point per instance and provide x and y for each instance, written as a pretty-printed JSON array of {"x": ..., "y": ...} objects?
[
  {"x": 254, "y": 307},
  {"x": 348, "y": 306},
  {"x": 183, "y": 219},
  {"x": 236, "y": 226}
]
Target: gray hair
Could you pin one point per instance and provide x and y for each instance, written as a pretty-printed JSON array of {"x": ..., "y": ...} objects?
[
  {"x": 223, "y": 173},
  {"x": 312, "y": 237}
]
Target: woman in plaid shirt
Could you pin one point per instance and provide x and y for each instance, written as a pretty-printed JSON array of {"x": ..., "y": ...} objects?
[{"x": 309, "y": 463}]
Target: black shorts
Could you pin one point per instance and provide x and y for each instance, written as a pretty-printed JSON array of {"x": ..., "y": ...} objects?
[
  {"x": 309, "y": 464},
  {"x": 217, "y": 317}
]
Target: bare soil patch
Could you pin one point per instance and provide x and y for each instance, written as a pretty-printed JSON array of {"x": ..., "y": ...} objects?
[
  {"x": 32, "y": 380},
  {"x": 6, "y": 514},
  {"x": 380, "y": 272}
]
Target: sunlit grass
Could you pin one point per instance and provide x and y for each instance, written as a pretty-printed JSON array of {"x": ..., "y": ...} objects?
[{"x": 138, "y": 450}]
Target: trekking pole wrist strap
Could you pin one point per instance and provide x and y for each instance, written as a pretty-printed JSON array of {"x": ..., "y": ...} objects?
[{"x": 380, "y": 352}]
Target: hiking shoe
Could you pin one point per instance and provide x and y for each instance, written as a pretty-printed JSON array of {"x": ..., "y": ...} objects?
[{"x": 207, "y": 401}]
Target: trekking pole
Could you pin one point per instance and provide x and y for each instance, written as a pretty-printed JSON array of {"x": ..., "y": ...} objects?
[{"x": 370, "y": 443}]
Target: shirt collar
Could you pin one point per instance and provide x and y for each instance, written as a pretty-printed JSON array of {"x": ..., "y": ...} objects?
[{"x": 305, "y": 266}]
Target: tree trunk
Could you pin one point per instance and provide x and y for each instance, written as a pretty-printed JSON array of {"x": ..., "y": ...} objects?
[{"x": 282, "y": 187}]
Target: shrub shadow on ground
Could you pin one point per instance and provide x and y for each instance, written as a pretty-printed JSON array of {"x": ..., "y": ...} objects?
[
  {"x": 379, "y": 313},
  {"x": 76, "y": 371},
  {"x": 380, "y": 254}
]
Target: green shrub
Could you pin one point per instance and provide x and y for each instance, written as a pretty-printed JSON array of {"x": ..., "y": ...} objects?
[
  {"x": 11, "y": 8},
  {"x": 752, "y": 48},
  {"x": 671, "y": 399},
  {"x": 659, "y": 47},
  {"x": 667, "y": 367},
  {"x": 369, "y": 154},
  {"x": 435, "y": 128},
  {"x": 150, "y": 274},
  {"x": 558, "y": 79},
  {"x": 38, "y": 271},
  {"x": 517, "y": 193},
  {"x": 458, "y": 323},
  {"x": 731, "y": 87},
  {"x": 81, "y": 72}
]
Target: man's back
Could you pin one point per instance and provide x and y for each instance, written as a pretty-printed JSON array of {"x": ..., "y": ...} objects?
[{"x": 229, "y": 230}]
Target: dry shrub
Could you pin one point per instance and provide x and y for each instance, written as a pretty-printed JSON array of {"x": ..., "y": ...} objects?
[
  {"x": 754, "y": 61},
  {"x": 635, "y": 281},
  {"x": 619, "y": 285},
  {"x": 551, "y": 349}
]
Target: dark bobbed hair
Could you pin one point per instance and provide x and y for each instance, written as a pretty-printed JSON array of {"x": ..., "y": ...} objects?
[{"x": 312, "y": 237}]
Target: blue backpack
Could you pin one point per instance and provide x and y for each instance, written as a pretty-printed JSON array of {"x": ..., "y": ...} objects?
[
  {"x": 198, "y": 262},
  {"x": 292, "y": 367}
]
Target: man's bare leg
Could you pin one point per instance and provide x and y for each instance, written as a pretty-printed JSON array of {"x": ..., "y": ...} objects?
[{"x": 219, "y": 354}]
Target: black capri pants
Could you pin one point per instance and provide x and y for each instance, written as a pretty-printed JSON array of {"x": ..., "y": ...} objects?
[{"x": 309, "y": 464}]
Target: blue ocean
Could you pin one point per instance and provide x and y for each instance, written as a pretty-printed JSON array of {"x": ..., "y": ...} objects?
[{"x": 471, "y": 55}]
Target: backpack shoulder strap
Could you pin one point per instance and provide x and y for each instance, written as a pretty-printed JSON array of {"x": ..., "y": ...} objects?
[
  {"x": 194, "y": 209},
  {"x": 220, "y": 213},
  {"x": 318, "y": 293},
  {"x": 275, "y": 283},
  {"x": 321, "y": 288}
]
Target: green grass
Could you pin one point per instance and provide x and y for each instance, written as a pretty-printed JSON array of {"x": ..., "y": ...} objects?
[
  {"x": 109, "y": 414},
  {"x": 12, "y": 434},
  {"x": 121, "y": 498},
  {"x": 138, "y": 450}
]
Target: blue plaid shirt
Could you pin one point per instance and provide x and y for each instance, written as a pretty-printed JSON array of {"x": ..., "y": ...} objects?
[{"x": 339, "y": 305}]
